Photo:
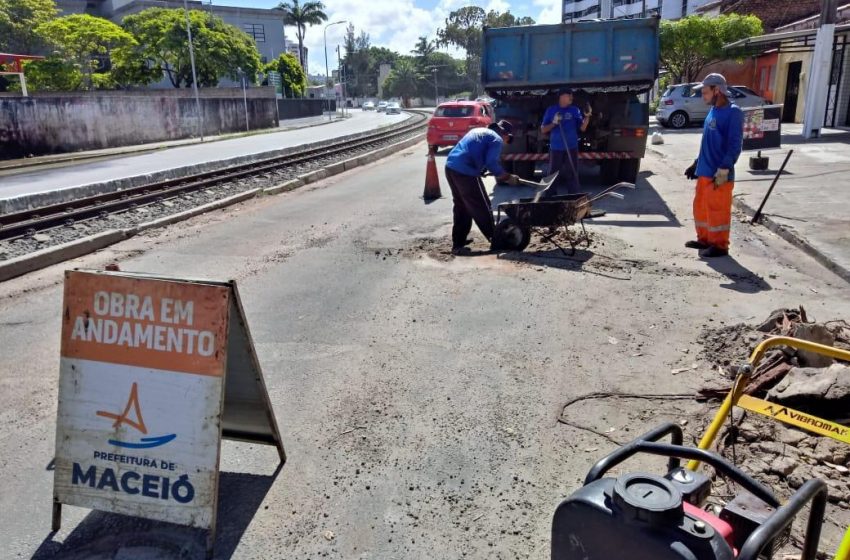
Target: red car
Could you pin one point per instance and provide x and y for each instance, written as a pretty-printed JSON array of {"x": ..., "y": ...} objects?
[{"x": 453, "y": 119}]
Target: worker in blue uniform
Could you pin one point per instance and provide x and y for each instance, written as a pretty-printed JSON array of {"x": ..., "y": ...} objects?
[
  {"x": 480, "y": 149},
  {"x": 563, "y": 123},
  {"x": 714, "y": 169}
]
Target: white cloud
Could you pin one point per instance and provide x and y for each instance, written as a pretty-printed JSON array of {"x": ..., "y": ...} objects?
[
  {"x": 550, "y": 12},
  {"x": 395, "y": 25}
]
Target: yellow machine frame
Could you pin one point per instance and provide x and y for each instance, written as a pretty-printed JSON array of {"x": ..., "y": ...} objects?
[{"x": 781, "y": 413}]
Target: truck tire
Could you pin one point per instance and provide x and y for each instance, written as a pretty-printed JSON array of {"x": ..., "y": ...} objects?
[
  {"x": 679, "y": 119},
  {"x": 629, "y": 169},
  {"x": 609, "y": 171}
]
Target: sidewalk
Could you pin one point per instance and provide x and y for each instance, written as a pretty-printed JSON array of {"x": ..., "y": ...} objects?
[
  {"x": 285, "y": 125},
  {"x": 810, "y": 205}
]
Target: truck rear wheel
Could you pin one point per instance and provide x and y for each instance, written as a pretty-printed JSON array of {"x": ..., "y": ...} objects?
[
  {"x": 629, "y": 169},
  {"x": 609, "y": 171}
]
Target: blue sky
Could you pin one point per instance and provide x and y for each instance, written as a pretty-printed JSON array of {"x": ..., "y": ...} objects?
[{"x": 396, "y": 24}]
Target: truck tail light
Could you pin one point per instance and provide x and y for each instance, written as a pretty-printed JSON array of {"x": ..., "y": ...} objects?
[
  {"x": 668, "y": 101},
  {"x": 630, "y": 132}
]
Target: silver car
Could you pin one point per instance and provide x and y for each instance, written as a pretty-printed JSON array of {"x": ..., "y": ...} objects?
[
  {"x": 393, "y": 109},
  {"x": 682, "y": 104}
]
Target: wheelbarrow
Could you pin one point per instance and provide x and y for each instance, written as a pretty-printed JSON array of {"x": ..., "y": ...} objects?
[{"x": 547, "y": 216}]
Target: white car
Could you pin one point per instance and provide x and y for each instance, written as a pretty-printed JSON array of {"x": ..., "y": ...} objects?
[
  {"x": 382, "y": 106},
  {"x": 368, "y": 106},
  {"x": 393, "y": 109}
]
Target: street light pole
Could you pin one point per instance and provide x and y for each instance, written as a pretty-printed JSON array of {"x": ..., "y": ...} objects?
[
  {"x": 327, "y": 72},
  {"x": 194, "y": 73}
]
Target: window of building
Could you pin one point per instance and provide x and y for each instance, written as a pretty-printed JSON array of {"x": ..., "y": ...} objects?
[{"x": 257, "y": 31}]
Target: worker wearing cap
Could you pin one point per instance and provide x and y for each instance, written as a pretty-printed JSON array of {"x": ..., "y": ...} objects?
[
  {"x": 714, "y": 169},
  {"x": 480, "y": 149},
  {"x": 563, "y": 123}
]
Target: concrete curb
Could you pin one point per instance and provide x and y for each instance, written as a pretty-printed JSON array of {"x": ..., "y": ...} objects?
[
  {"x": 186, "y": 214},
  {"x": 55, "y": 255},
  {"x": 795, "y": 239},
  {"x": 36, "y": 200}
]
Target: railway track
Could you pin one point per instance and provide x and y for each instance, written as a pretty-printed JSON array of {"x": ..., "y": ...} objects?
[{"x": 15, "y": 225}]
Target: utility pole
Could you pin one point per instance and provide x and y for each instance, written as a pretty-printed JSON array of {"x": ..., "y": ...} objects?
[
  {"x": 341, "y": 79},
  {"x": 436, "y": 92},
  {"x": 194, "y": 73},
  {"x": 245, "y": 97},
  {"x": 814, "y": 108}
]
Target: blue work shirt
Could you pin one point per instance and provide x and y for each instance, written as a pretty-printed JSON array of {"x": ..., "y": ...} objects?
[
  {"x": 571, "y": 118},
  {"x": 480, "y": 148},
  {"x": 722, "y": 139}
]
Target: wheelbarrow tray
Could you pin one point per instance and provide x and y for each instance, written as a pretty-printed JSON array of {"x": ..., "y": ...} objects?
[{"x": 561, "y": 210}]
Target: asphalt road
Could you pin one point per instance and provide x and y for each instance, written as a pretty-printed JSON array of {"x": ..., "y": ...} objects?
[
  {"x": 52, "y": 178},
  {"x": 418, "y": 395}
]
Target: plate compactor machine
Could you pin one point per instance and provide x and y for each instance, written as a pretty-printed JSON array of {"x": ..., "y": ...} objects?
[{"x": 640, "y": 516}]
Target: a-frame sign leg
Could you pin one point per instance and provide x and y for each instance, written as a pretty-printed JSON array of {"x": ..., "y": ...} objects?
[{"x": 57, "y": 516}]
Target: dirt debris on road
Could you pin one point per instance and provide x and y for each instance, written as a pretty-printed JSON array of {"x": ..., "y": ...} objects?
[{"x": 780, "y": 456}]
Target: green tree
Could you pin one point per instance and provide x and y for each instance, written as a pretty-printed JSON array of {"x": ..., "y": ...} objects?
[
  {"x": 690, "y": 44},
  {"x": 52, "y": 74},
  {"x": 300, "y": 16},
  {"x": 18, "y": 19},
  {"x": 292, "y": 77},
  {"x": 87, "y": 43},
  {"x": 356, "y": 62},
  {"x": 221, "y": 50},
  {"x": 403, "y": 81},
  {"x": 463, "y": 29},
  {"x": 424, "y": 48}
]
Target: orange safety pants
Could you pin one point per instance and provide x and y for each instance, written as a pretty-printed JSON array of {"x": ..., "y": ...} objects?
[{"x": 713, "y": 212}]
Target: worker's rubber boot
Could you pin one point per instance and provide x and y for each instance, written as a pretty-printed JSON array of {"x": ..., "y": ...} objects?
[
  {"x": 713, "y": 252},
  {"x": 462, "y": 250},
  {"x": 694, "y": 244}
]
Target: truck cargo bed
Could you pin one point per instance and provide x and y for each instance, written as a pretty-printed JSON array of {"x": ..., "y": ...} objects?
[{"x": 582, "y": 54}]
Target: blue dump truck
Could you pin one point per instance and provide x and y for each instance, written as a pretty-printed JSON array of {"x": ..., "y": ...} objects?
[{"x": 611, "y": 65}]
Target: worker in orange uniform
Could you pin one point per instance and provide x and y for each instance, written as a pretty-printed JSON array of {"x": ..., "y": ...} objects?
[{"x": 714, "y": 169}]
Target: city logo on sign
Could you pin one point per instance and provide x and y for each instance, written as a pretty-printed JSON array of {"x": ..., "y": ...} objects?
[{"x": 138, "y": 424}]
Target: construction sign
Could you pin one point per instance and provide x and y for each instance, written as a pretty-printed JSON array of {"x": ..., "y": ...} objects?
[
  {"x": 153, "y": 373},
  {"x": 762, "y": 127}
]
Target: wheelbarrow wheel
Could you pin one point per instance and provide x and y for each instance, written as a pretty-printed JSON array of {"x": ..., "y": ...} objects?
[{"x": 509, "y": 236}]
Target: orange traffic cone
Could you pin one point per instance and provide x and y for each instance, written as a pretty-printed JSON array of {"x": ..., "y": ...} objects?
[{"x": 432, "y": 179}]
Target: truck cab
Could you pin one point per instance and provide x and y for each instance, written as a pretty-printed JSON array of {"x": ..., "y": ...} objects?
[{"x": 611, "y": 65}]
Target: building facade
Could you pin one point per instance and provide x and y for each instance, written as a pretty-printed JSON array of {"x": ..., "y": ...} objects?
[
  {"x": 265, "y": 27},
  {"x": 578, "y": 10}
]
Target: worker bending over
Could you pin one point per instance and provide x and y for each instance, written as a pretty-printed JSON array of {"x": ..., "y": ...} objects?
[
  {"x": 479, "y": 149},
  {"x": 714, "y": 169}
]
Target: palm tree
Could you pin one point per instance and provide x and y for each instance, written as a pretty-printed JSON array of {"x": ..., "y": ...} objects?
[
  {"x": 424, "y": 47},
  {"x": 300, "y": 16}
]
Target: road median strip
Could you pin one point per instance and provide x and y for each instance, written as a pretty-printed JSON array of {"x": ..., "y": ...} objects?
[{"x": 38, "y": 260}]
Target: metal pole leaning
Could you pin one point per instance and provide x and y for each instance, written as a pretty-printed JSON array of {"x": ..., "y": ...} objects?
[{"x": 757, "y": 215}]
